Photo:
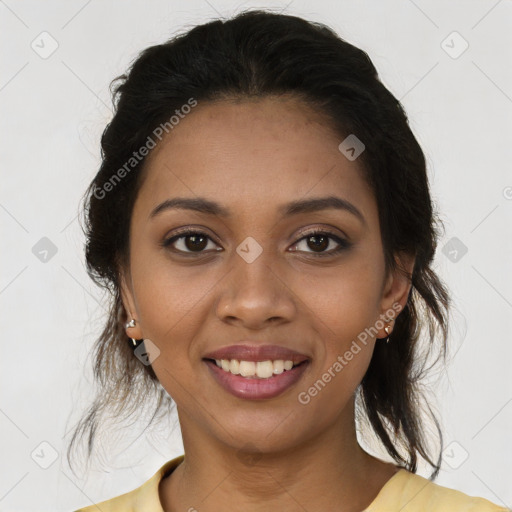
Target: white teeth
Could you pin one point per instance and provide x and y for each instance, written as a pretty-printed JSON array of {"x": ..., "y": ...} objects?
[
  {"x": 247, "y": 368},
  {"x": 260, "y": 369},
  {"x": 278, "y": 367},
  {"x": 264, "y": 369},
  {"x": 234, "y": 367}
]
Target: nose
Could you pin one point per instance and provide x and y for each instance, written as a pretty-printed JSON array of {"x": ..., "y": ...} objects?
[{"x": 255, "y": 294}]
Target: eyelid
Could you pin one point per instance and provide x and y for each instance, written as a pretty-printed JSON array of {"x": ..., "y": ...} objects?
[
  {"x": 342, "y": 240},
  {"x": 336, "y": 232},
  {"x": 190, "y": 230}
]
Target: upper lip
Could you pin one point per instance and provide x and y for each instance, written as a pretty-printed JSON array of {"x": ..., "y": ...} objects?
[{"x": 257, "y": 353}]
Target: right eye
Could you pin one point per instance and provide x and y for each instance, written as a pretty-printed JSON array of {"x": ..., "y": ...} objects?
[{"x": 188, "y": 242}]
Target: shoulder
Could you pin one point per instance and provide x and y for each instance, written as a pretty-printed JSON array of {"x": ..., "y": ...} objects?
[
  {"x": 409, "y": 492},
  {"x": 146, "y": 497}
]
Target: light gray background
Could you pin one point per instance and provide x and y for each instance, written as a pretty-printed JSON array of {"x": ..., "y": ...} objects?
[{"x": 53, "y": 112}]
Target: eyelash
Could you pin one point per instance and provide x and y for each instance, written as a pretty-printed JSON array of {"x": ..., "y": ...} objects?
[{"x": 343, "y": 244}]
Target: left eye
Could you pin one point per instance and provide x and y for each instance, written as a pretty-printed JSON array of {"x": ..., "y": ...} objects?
[{"x": 321, "y": 240}]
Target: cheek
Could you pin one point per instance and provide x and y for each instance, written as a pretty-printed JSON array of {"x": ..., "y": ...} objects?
[
  {"x": 169, "y": 296},
  {"x": 344, "y": 301},
  {"x": 170, "y": 303},
  {"x": 343, "y": 306},
  {"x": 340, "y": 316},
  {"x": 173, "y": 302}
]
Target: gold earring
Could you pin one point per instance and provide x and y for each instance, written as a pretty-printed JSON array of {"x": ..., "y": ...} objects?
[{"x": 388, "y": 332}]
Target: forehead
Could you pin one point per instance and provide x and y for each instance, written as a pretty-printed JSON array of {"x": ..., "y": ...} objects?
[{"x": 252, "y": 155}]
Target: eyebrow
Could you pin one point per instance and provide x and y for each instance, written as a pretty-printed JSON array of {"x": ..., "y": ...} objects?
[{"x": 208, "y": 207}]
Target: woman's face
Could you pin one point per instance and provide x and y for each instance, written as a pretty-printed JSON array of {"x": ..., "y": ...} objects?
[{"x": 257, "y": 276}]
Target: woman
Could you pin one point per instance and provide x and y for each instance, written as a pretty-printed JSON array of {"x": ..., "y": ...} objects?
[{"x": 263, "y": 220}]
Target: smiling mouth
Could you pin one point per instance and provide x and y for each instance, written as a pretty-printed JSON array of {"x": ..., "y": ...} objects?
[{"x": 255, "y": 369}]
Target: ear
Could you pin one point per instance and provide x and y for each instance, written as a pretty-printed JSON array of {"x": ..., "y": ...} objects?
[
  {"x": 396, "y": 290},
  {"x": 128, "y": 299}
]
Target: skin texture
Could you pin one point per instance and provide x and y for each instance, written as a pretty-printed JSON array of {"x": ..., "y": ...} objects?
[{"x": 253, "y": 156}]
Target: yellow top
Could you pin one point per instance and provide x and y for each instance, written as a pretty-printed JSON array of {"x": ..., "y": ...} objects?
[{"x": 404, "y": 492}]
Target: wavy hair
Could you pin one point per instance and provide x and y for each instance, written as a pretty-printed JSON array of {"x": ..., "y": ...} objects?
[{"x": 257, "y": 54}]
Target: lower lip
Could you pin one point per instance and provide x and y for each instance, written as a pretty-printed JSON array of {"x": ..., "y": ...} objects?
[{"x": 256, "y": 389}]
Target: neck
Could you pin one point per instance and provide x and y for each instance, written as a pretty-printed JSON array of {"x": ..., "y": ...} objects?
[{"x": 330, "y": 468}]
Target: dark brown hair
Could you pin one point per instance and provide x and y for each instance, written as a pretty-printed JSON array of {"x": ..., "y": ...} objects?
[{"x": 257, "y": 54}]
